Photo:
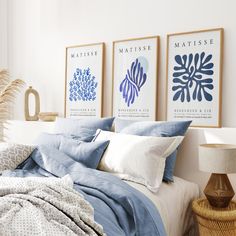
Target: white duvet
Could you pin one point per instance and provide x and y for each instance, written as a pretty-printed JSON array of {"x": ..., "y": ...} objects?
[{"x": 174, "y": 204}]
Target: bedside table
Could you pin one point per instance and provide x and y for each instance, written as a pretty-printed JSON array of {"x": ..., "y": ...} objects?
[{"x": 215, "y": 221}]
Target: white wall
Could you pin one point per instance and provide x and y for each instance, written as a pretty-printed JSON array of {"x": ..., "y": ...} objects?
[
  {"x": 3, "y": 34},
  {"x": 39, "y": 31}
]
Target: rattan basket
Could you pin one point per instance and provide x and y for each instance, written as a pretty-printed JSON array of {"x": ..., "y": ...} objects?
[{"x": 214, "y": 221}]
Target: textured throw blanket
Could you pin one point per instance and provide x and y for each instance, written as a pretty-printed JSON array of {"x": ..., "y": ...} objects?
[{"x": 44, "y": 206}]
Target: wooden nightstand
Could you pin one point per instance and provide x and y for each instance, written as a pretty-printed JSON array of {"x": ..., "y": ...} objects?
[{"x": 214, "y": 221}]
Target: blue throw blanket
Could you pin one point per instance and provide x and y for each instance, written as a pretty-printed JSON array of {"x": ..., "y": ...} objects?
[{"x": 119, "y": 208}]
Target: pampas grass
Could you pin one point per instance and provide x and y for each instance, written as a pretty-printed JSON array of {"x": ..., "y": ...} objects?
[{"x": 8, "y": 91}]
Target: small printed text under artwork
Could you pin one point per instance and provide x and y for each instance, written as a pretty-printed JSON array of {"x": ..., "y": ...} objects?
[
  {"x": 82, "y": 112},
  {"x": 196, "y": 113},
  {"x": 133, "y": 113}
]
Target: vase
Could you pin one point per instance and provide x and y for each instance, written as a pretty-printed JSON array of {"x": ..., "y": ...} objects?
[{"x": 33, "y": 117}]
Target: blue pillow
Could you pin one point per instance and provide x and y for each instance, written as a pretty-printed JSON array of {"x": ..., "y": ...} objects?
[
  {"x": 52, "y": 140},
  {"x": 158, "y": 129},
  {"x": 51, "y": 159},
  {"x": 84, "y": 129},
  {"x": 86, "y": 153}
]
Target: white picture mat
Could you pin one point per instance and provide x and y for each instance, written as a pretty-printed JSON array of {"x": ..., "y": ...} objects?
[
  {"x": 82, "y": 109},
  {"x": 177, "y": 110},
  {"x": 144, "y": 106}
]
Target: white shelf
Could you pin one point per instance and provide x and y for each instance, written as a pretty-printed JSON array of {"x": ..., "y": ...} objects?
[{"x": 25, "y": 132}]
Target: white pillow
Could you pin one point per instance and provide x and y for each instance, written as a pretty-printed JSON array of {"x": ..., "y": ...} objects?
[
  {"x": 137, "y": 158},
  {"x": 12, "y": 154}
]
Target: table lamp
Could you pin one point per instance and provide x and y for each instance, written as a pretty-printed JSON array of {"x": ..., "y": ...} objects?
[{"x": 220, "y": 160}]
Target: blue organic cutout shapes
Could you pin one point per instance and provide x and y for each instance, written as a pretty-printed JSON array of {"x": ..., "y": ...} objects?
[
  {"x": 82, "y": 86},
  {"x": 193, "y": 77},
  {"x": 132, "y": 83}
]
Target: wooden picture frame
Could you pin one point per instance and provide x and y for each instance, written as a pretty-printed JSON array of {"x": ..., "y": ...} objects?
[
  {"x": 194, "y": 77},
  {"x": 135, "y": 78},
  {"x": 84, "y": 80}
]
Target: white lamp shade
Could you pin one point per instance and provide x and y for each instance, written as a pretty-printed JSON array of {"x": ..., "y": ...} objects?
[{"x": 217, "y": 158}]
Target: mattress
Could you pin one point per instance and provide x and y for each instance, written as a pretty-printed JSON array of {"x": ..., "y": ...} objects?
[{"x": 173, "y": 201}]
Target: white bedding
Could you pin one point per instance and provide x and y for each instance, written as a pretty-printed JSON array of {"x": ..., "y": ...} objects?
[{"x": 174, "y": 204}]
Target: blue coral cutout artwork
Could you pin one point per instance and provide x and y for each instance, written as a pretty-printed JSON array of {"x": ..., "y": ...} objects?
[
  {"x": 192, "y": 77},
  {"x": 83, "y": 86},
  {"x": 134, "y": 79}
]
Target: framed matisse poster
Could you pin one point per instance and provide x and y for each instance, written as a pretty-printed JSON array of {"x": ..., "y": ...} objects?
[
  {"x": 84, "y": 78},
  {"x": 135, "y": 68},
  {"x": 194, "y": 68}
]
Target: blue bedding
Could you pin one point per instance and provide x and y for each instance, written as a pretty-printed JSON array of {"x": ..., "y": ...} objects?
[{"x": 119, "y": 208}]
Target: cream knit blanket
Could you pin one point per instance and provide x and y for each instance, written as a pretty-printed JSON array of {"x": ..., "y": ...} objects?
[{"x": 44, "y": 207}]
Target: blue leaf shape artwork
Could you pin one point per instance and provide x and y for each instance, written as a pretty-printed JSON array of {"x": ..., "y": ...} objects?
[
  {"x": 134, "y": 79},
  {"x": 83, "y": 86},
  {"x": 192, "y": 77}
]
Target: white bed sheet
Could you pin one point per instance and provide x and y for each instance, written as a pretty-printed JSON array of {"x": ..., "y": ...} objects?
[{"x": 173, "y": 201}]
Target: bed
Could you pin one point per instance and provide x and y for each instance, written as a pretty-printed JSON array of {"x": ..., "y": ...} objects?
[
  {"x": 136, "y": 202},
  {"x": 174, "y": 204}
]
